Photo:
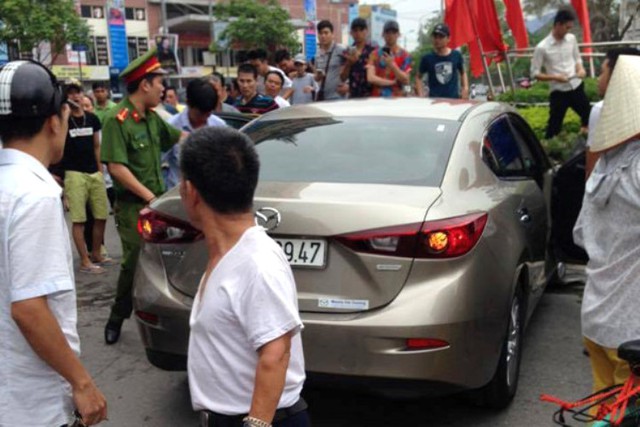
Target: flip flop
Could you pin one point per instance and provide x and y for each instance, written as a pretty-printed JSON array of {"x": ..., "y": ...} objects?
[
  {"x": 94, "y": 269},
  {"x": 105, "y": 262}
]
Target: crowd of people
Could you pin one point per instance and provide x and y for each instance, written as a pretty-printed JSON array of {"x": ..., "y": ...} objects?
[{"x": 64, "y": 149}]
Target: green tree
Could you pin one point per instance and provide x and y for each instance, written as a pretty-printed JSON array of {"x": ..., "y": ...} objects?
[
  {"x": 31, "y": 22},
  {"x": 254, "y": 24}
]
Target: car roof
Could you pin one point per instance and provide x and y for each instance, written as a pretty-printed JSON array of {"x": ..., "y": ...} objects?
[{"x": 443, "y": 109}]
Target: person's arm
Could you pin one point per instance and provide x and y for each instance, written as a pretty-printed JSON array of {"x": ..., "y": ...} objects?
[
  {"x": 96, "y": 149},
  {"x": 419, "y": 86},
  {"x": 373, "y": 79},
  {"x": 402, "y": 75},
  {"x": 580, "y": 71},
  {"x": 590, "y": 162},
  {"x": 125, "y": 177},
  {"x": 271, "y": 371},
  {"x": 42, "y": 331},
  {"x": 464, "y": 87},
  {"x": 536, "y": 68}
]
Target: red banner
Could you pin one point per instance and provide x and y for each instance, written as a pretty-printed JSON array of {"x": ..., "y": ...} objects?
[
  {"x": 583, "y": 17},
  {"x": 470, "y": 20},
  {"x": 515, "y": 20}
]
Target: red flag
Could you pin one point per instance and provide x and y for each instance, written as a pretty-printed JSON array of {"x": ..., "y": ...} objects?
[
  {"x": 460, "y": 15},
  {"x": 515, "y": 20},
  {"x": 583, "y": 17}
]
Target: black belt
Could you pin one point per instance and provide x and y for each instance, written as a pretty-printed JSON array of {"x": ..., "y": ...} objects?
[{"x": 212, "y": 419}]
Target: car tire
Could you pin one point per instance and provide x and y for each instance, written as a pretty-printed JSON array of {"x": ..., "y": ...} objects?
[{"x": 502, "y": 388}]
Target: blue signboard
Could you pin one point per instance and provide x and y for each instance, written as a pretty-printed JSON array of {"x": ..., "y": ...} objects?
[
  {"x": 117, "y": 34},
  {"x": 310, "y": 18}
]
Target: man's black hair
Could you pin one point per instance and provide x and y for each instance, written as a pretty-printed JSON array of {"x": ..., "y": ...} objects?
[
  {"x": 220, "y": 77},
  {"x": 324, "y": 24},
  {"x": 100, "y": 85},
  {"x": 259, "y": 54},
  {"x": 248, "y": 69},
  {"x": 281, "y": 55},
  {"x": 222, "y": 164},
  {"x": 201, "y": 95},
  {"x": 563, "y": 16},
  {"x": 613, "y": 54},
  {"x": 277, "y": 73},
  {"x": 133, "y": 86}
]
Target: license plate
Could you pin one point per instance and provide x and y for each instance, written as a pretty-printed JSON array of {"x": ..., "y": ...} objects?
[{"x": 304, "y": 252}]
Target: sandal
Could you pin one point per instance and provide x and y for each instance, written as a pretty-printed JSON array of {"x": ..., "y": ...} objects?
[
  {"x": 93, "y": 269},
  {"x": 105, "y": 261}
]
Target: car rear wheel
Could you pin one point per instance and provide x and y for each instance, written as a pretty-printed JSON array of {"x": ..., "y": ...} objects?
[{"x": 502, "y": 387}]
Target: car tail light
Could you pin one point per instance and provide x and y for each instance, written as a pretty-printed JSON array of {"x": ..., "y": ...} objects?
[
  {"x": 155, "y": 227},
  {"x": 425, "y": 344},
  {"x": 445, "y": 238},
  {"x": 148, "y": 317}
]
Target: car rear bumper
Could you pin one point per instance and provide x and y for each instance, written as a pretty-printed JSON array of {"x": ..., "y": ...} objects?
[{"x": 369, "y": 344}]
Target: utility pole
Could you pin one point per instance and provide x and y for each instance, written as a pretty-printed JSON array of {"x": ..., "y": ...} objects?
[{"x": 163, "y": 8}]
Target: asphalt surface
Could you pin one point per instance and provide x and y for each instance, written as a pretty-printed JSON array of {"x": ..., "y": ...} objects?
[{"x": 139, "y": 394}]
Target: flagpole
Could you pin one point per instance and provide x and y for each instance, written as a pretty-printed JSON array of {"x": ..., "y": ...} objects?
[{"x": 482, "y": 55}]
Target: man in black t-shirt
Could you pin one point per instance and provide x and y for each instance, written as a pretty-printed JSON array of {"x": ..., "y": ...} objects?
[{"x": 83, "y": 180}]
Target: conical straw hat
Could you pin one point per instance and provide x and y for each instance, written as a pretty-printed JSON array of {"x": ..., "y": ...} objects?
[{"x": 620, "y": 117}]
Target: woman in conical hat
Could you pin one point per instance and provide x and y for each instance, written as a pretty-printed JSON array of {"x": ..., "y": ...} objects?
[{"x": 608, "y": 228}]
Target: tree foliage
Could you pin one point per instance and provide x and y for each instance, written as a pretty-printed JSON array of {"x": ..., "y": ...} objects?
[
  {"x": 254, "y": 24},
  {"x": 31, "y": 22}
]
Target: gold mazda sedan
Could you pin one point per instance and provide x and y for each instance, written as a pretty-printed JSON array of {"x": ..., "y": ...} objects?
[{"x": 417, "y": 230}]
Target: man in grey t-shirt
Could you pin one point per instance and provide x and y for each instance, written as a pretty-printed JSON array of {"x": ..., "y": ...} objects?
[
  {"x": 328, "y": 64},
  {"x": 304, "y": 85}
]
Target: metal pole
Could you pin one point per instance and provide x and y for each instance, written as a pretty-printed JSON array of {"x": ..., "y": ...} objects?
[
  {"x": 504, "y": 89},
  {"x": 163, "y": 8},
  {"x": 510, "y": 71}
]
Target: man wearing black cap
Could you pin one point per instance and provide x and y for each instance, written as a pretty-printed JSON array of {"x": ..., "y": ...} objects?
[
  {"x": 444, "y": 67},
  {"x": 41, "y": 377},
  {"x": 389, "y": 67},
  {"x": 355, "y": 67}
]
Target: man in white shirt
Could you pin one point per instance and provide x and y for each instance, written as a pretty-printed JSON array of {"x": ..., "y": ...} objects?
[
  {"x": 245, "y": 361},
  {"x": 41, "y": 378},
  {"x": 202, "y": 100},
  {"x": 558, "y": 54},
  {"x": 273, "y": 82}
]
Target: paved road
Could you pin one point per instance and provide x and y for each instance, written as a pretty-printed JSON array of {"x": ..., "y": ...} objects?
[{"x": 140, "y": 395}]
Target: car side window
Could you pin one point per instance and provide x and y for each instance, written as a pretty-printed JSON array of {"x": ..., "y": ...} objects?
[{"x": 501, "y": 150}]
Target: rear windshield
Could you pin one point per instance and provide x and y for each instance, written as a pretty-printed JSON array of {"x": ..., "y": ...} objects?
[{"x": 368, "y": 150}]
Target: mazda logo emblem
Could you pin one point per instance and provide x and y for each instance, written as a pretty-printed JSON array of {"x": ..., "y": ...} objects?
[{"x": 268, "y": 218}]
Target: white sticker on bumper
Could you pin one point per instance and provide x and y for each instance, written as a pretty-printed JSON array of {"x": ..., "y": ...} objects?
[{"x": 344, "y": 304}]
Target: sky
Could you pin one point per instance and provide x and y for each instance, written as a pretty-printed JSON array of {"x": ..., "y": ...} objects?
[{"x": 410, "y": 14}]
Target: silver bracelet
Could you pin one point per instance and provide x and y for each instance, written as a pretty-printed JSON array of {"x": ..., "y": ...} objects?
[{"x": 255, "y": 422}]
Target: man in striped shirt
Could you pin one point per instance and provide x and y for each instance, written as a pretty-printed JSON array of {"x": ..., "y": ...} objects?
[{"x": 250, "y": 101}]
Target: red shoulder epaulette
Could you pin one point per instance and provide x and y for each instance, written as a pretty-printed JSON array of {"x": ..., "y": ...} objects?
[
  {"x": 135, "y": 116},
  {"x": 122, "y": 115}
]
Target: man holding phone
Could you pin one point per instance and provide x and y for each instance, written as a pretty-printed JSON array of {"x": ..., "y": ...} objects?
[
  {"x": 355, "y": 67},
  {"x": 389, "y": 67},
  {"x": 328, "y": 64}
]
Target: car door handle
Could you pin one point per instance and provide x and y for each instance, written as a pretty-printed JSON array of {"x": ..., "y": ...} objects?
[{"x": 523, "y": 213}]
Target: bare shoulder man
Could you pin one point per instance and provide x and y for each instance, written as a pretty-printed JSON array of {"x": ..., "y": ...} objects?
[
  {"x": 245, "y": 361},
  {"x": 41, "y": 378}
]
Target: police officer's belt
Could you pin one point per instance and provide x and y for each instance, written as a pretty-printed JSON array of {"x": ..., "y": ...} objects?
[{"x": 129, "y": 197}]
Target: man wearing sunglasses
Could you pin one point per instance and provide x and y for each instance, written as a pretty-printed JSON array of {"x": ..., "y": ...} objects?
[{"x": 41, "y": 377}]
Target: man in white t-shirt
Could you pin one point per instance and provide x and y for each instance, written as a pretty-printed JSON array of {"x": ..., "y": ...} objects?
[
  {"x": 258, "y": 58},
  {"x": 41, "y": 378},
  {"x": 608, "y": 66},
  {"x": 245, "y": 361}
]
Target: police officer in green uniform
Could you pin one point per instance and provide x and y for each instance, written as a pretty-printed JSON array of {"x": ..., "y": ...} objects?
[{"x": 133, "y": 136}]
